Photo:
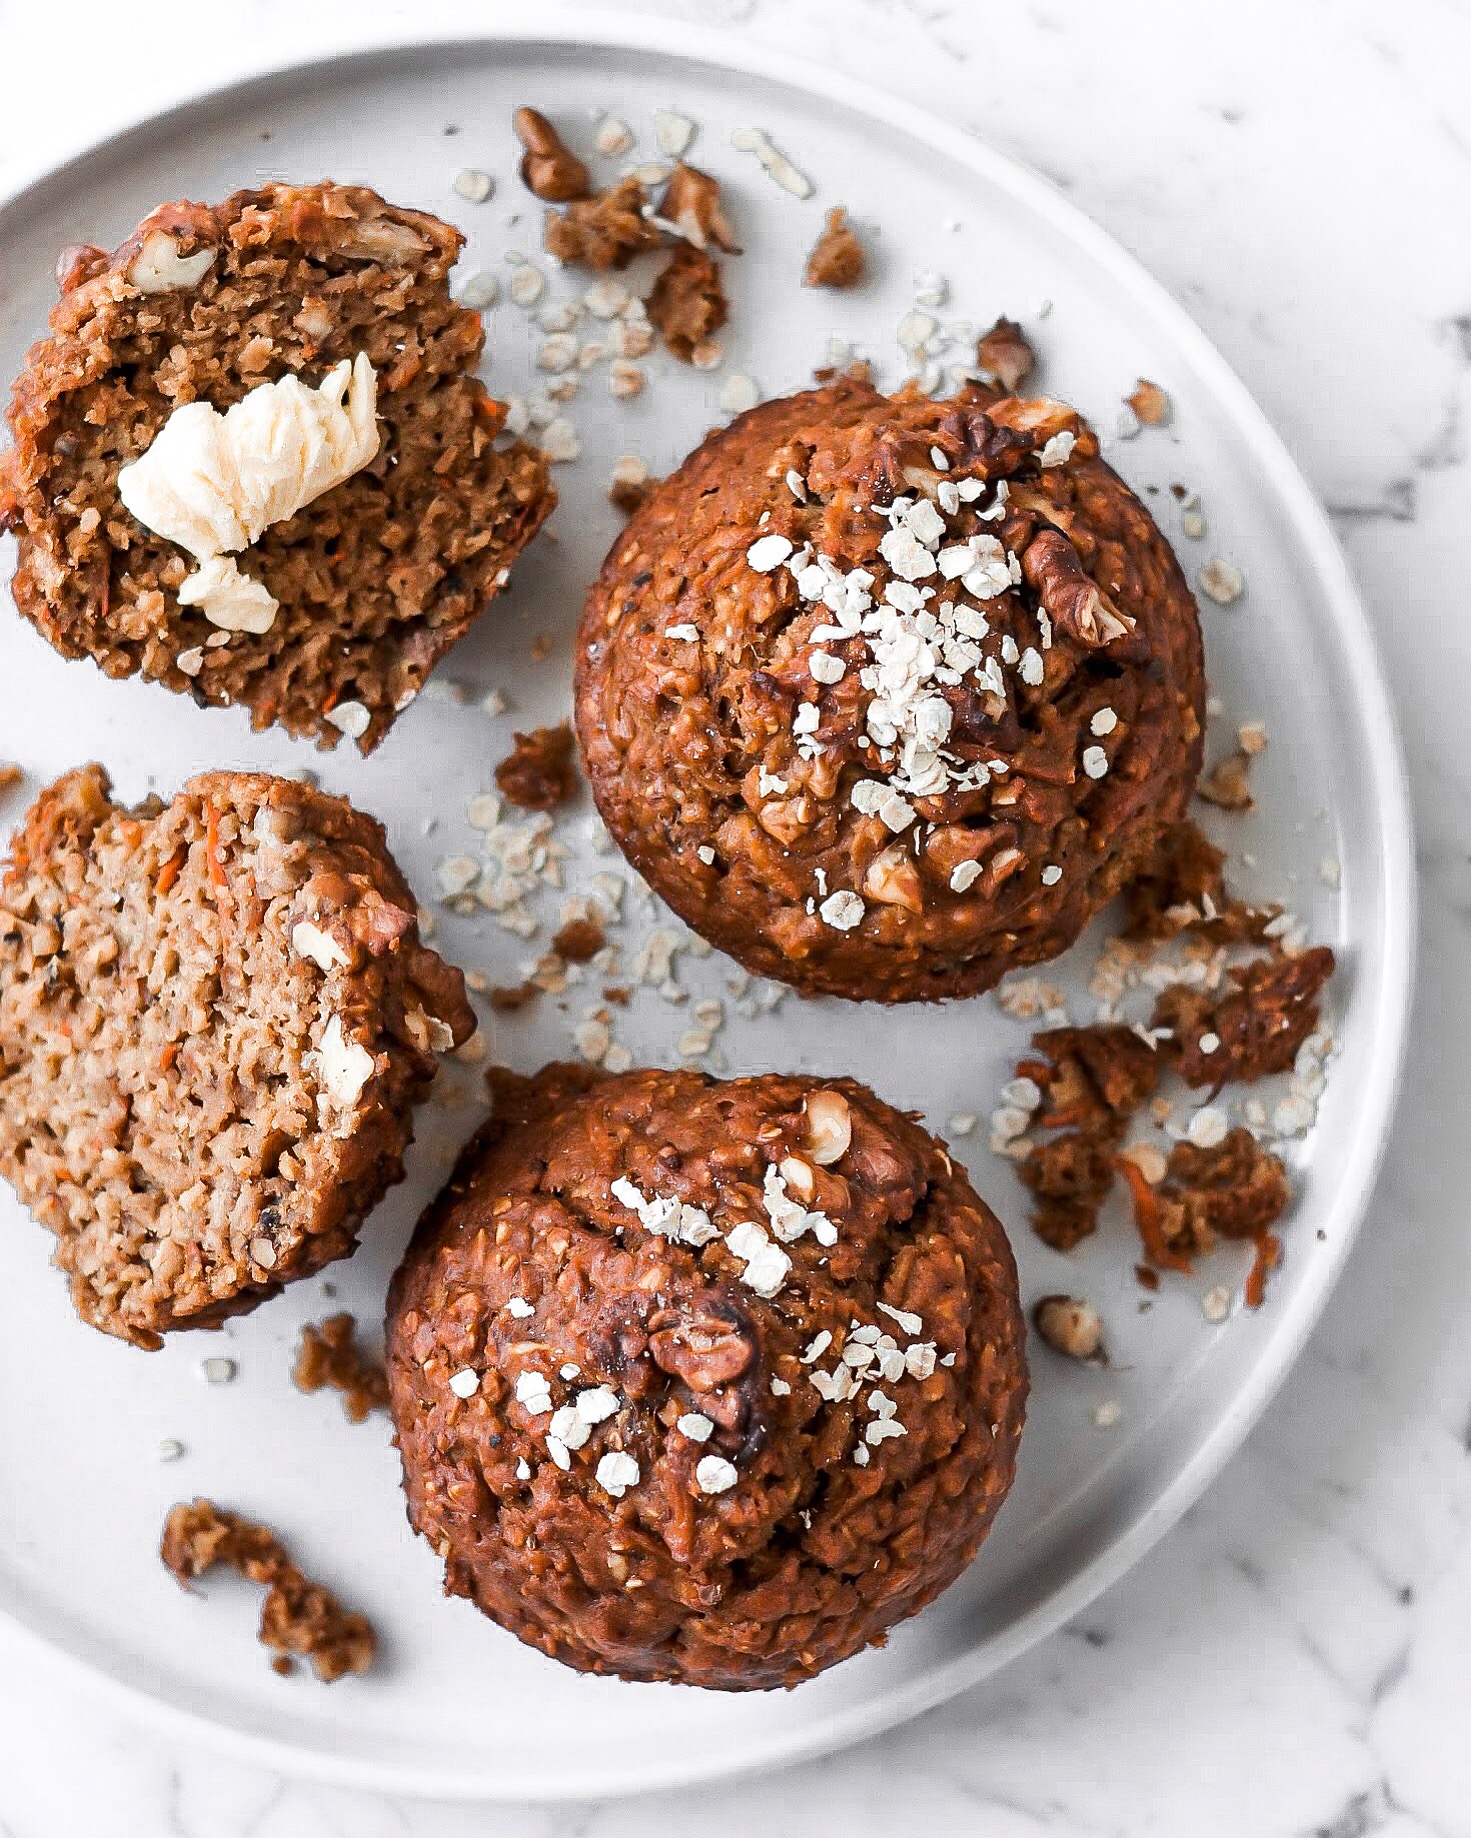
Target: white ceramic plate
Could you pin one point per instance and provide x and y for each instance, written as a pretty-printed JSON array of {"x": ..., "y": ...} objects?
[{"x": 457, "y": 1707}]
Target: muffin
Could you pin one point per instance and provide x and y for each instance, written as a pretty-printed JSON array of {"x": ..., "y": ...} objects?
[
  {"x": 252, "y": 462},
  {"x": 700, "y": 1381},
  {"x": 888, "y": 696},
  {"x": 216, "y": 1018}
]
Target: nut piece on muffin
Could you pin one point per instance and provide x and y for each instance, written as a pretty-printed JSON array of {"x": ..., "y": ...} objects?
[
  {"x": 216, "y": 1018},
  {"x": 887, "y": 696},
  {"x": 252, "y": 461},
  {"x": 701, "y": 1381}
]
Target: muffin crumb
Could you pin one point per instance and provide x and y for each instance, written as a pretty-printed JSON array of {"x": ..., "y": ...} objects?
[
  {"x": 549, "y": 167},
  {"x": 1150, "y": 403},
  {"x": 1227, "y": 784},
  {"x": 538, "y": 773},
  {"x": 837, "y": 258},
  {"x": 687, "y": 304},
  {"x": 1006, "y": 354},
  {"x": 329, "y": 1355},
  {"x": 603, "y": 232},
  {"x": 1070, "y": 1326},
  {"x": 297, "y": 1616},
  {"x": 693, "y": 209}
]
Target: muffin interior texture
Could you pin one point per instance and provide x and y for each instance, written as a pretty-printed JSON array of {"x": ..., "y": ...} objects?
[
  {"x": 215, "y": 1017},
  {"x": 376, "y": 578}
]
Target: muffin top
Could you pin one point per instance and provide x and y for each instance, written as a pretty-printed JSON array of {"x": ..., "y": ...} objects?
[
  {"x": 705, "y": 1381},
  {"x": 887, "y": 696}
]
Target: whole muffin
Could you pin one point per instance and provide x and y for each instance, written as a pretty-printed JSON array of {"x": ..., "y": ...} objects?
[
  {"x": 888, "y": 696},
  {"x": 216, "y": 1018},
  {"x": 701, "y": 1381},
  {"x": 408, "y": 518}
]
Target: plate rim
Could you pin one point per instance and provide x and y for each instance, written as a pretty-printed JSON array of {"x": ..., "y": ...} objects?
[{"x": 679, "y": 41}]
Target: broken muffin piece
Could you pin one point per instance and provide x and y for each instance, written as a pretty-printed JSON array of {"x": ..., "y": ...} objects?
[
  {"x": 1252, "y": 1031},
  {"x": 687, "y": 304},
  {"x": 298, "y": 1617},
  {"x": 216, "y": 1018}
]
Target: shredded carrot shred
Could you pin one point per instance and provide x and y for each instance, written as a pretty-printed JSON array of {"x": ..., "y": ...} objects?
[
  {"x": 1268, "y": 1256},
  {"x": 212, "y": 849},
  {"x": 169, "y": 873},
  {"x": 1146, "y": 1219}
]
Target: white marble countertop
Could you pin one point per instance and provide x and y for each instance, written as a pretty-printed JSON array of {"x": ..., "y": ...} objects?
[{"x": 1294, "y": 1660}]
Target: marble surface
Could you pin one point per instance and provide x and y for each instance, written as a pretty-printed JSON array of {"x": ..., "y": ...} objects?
[{"x": 1292, "y": 1661}]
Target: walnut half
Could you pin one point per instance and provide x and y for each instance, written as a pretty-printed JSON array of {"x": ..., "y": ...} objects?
[
  {"x": 1074, "y": 602},
  {"x": 549, "y": 167}
]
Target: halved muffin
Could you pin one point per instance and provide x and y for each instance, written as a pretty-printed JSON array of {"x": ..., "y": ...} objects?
[
  {"x": 216, "y": 1018},
  {"x": 329, "y": 507}
]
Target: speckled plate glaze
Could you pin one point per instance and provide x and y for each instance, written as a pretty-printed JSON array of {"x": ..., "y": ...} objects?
[{"x": 456, "y": 1707}]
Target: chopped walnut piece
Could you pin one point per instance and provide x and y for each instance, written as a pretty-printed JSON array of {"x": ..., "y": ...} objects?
[
  {"x": 1005, "y": 353},
  {"x": 687, "y": 303},
  {"x": 1227, "y": 785},
  {"x": 837, "y": 258},
  {"x": 1252, "y": 1032},
  {"x": 579, "y": 941},
  {"x": 1074, "y": 602},
  {"x": 1184, "y": 890},
  {"x": 297, "y": 1616},
  {"x": 538, "y": 773},
  {"x": 1150, "y": 403},
  {"x": 1070, "y": 1326},
  {"x": 691, "y": 204},
  {"x": 330, "y": 1355},
  {"x": 507, "y": 998},
  {"x": 549, "y": 167},
  {"x": 602, "y": 232}
]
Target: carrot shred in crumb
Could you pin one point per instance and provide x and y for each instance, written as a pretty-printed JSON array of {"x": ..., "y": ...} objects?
[
  {"x": 168, "y": 1056},
  {"x": 1268, "y": 1256},
  {"x": 212, "y": 849},
  {"x": 1146, "y": 1219},
  {"x": 169, "y": 873}
]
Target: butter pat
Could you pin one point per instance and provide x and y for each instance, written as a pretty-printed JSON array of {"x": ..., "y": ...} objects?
[
  {"x": 230, "y": 599},
  {"x": 214, "y": 483}
]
